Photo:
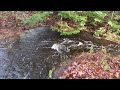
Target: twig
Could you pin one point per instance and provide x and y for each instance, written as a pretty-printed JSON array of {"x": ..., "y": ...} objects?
[{"x": 112, "y": 14}]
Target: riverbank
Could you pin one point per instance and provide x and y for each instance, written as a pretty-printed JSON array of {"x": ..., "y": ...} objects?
[
  {"x": 99, "y": 65},
  {"x": 15, "y": 22}
]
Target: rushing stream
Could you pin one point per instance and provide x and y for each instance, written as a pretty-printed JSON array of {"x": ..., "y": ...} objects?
[{"x": 32, "y": 54}]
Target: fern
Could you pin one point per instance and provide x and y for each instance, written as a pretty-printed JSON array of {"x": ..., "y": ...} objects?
[
  {"x": 40, "y": 16},
  {"x": 80, "y": 20},
  {"x": 113, "y": 24},
  {"x": 70, "y": 32},
  {"x": 100, "y": 31}
]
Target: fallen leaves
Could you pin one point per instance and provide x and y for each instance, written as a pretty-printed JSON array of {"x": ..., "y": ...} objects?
[{"x": 89, "y": 66}]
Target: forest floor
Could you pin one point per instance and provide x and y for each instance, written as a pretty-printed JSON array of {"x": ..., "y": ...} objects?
[
  {"x": 10, "y": 22},
  {"x": 88, "y": 66}
]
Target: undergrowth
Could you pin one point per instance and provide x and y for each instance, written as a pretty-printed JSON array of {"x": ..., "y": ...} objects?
[
  {"x": 71, "y": 22},
  {"x": 38, "y": 17}
]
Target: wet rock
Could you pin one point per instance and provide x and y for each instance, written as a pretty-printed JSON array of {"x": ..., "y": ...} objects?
[{"x": 60, "y": 48}]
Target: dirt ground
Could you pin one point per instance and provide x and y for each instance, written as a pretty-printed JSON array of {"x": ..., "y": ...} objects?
[{"x": 10, "y": 24}]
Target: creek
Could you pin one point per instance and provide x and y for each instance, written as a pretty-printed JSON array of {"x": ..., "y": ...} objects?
[{"x": 33, "y": 53}]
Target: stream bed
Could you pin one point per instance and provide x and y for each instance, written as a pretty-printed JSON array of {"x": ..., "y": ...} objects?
[{"x": 33, "y": 53}]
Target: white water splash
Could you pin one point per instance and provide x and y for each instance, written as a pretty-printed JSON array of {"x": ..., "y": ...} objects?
[{"x": 60, "y": 48}]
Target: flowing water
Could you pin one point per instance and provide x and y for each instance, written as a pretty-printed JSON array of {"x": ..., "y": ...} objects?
[{"x": 33, "y": 53}]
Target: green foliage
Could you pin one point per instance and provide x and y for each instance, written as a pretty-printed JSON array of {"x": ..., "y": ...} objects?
[
  {"x": 105, "y": 65},
  {"x": 100, "y": 31},
  {"x": 39, "y": 16},
  {"x": 80, "y": 21},
  {"x": 81, "y": 18},
  {"x": 51, "y": 72},
  {"x": 117, "y": 31},
  {"x": 66, "y": 32},
  {"x": 117, "y": 17},
  {"x": 115, "y": 21},
  {"x": 95, "y": 16},
  {"x": 104, "y": 61},
  {"x": 113, "y": 24},
  {"x": 72, "y": 15},
  {"x": 70, "y": 32}
]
